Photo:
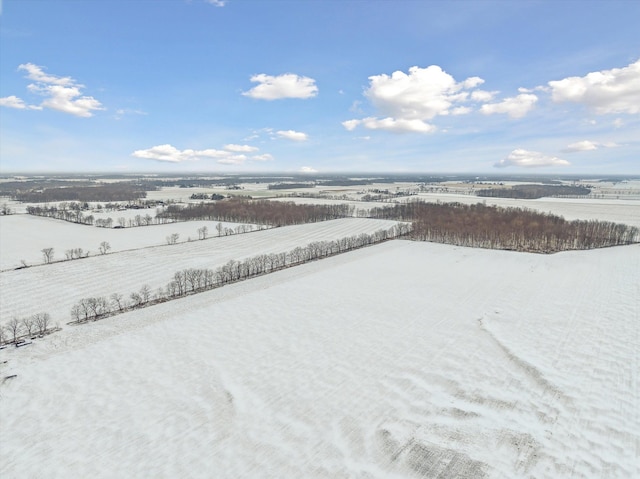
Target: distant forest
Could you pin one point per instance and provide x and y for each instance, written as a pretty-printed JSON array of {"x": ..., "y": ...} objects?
[
  {"x": 241, "y": 210},
  {"x": 43, "y": 192},
  {"x": 530, "y": 192},
  {"x": 515, "y": 229}
]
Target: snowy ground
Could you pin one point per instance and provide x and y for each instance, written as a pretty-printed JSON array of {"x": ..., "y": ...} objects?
[
  {"x": 55, "y": 288},
  {"x": 22, "y": 237},
  {"x": 400, "y": 360}
]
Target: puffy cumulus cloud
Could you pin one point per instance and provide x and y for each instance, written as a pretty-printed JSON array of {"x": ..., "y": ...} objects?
[
  {"x": 423, "y": 93},
  {"x": 308, "y": 169},
  {"x": 17, "y": 103},
  {"x": 288, "y": 85},
  {"x": 530, "y": 159},
  {"x": 67, "y": 100},
  {"x": 515, "y": 107},
  {"x": 230, "y": 155},
  {"x": 587, "y": 145},
  {"x": 240, "y": 148},
  {"x": 408, "y": 101},
  {"x": 61, "y": 93},
  {"x": 399, "y": 125},
  {"x": 605, "y": 92},
  {"x": 292, "y": 135}
]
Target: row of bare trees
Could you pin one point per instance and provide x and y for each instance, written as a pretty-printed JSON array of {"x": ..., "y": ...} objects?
[
  {"x": 194, "y": 280},
  {"x": 242, "y": 210},
  {"x": 17, "y": 328},
  {"x": 516, "y": 229},
  {"x": 73, "y": 253}
]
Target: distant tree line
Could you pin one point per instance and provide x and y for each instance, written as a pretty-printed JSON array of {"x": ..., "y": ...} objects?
[
  {"x": 241, "y": 210},
  {"x": 529, "y": 192},
  {"x": 286, "y": 186},
  {"x": 195, "y": 280},
  {"x": 515, "y": 229},
  {"x": 204, "y": 196},
  {"x": 103, "y": 192}
]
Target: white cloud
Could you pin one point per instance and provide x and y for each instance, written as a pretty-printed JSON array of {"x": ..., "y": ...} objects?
[
  {"x": 587, "y": 145},
  {"x": 515, "y": 107},
  {"x": 233, "y": 160},
  {"x": 292, "y": 135},
  {"x": 483, "y": 95},
  {"x": 399, "y": 125},
  {"x": 171, "y": 154},
  {"x": 216, "y": 3},
  {"x": 228, "y": 156},
  {"x": 308, "y": 169},
  {"x": 530, "y": 159},
  {"x": 13, "y": 102},
  {"x": 607, "y": 91},
  {"x": 61, "y": 93},
  {"x": 122, "y": 112},
  {"x": 618, "y": 123},
  {"x": 407, "y": 101},
  {"x": 36, "y": 73},
  {"x": 264, "y": 157},
  {"x": 240, "y": 148},
  {"x": 422, "y": 94},
  {"x": 288, "y": 85}
]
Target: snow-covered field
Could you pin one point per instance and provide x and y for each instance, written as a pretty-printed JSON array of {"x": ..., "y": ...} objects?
[
  {"x": 55, "y": 288},
  {"x": 400, "y": 360},
  {"x": 22, "y": 237}
]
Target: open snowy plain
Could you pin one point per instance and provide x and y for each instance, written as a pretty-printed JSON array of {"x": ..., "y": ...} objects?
[
  {"x": 403, "y": 359},
  {"x": 54, "y": 288}
]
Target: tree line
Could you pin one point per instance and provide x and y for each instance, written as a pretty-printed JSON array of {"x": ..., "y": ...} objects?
[
  {"x": 530, "y": 192},
  {"x": 104, "y": 192},
  {"x": 195, "y": 280},
  {"x": 242, "y": 210},
  {"x": 517, "y": 229},
  {"x": 17, "y": 328}
]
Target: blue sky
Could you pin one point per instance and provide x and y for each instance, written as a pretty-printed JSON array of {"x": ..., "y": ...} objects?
[{"x": 327, "y": 86}]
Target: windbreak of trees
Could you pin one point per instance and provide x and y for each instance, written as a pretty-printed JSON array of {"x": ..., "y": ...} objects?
[
  {"x": 73, "y": 215},
  {"x": 195, "y": 280},
  {"x": 241, "y": 210},
  {"x": 515, "y": 229},
  {"x": 530, "y": 192}
]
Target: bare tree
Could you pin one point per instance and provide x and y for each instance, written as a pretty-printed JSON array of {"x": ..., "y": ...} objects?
[
  {"x": 47, "y": 254},
  {"x": 13, "y": 327},
  {"x": 117, "y": 301},
  {"x": 104, "y": 247},
  {"x": 28, "y": 324},
  {"x": 203, "y": 232},
  {"x": 145, "y": 293},
  {"x": 173, "y": 238},
  {"x": 42, "y": 322},
  {"x": 122, "y": 222}
]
